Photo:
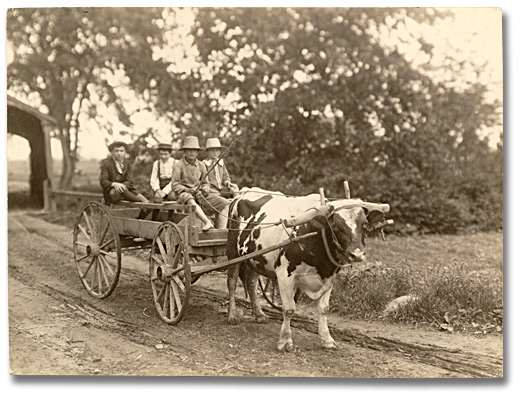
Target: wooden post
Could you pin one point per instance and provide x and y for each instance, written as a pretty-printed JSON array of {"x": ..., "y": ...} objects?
[
  {"x": 48, "y": 200},
  {"x": 322, "y": 196},
  {"x": 46, "y": 197},
  {"x": 347, "y": 189}
]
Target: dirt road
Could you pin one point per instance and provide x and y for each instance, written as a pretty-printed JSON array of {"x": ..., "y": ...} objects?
[{"x": 56, "y": 328}]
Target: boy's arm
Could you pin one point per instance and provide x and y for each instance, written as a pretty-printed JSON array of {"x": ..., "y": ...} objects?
[
  {"x": 205, "y": 185},
  {"x": 226, "y": 179},
  {"x": 104, "y": 177},
  {"x": 154, "y": 179},
  {"x": 176, "y": 182},
  {"x": 129, "y": 179}
]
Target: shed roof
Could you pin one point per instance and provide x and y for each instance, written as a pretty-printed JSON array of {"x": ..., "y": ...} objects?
[{"x": 11, "y": 101}]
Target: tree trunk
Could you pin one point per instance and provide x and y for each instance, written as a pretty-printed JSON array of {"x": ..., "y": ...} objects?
[{"x": 68, "y": 165}]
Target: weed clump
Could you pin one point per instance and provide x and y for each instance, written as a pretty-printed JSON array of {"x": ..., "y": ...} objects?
[{"x": 450, "y": 298}]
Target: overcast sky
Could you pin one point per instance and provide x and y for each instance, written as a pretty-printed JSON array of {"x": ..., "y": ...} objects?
[{"x": 473, "y": 34}]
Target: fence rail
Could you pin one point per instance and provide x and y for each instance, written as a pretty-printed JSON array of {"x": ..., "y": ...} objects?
[{"x": 54, "y": 194}]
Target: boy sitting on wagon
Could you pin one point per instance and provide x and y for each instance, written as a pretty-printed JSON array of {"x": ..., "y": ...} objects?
[
  {"x": 162, "y": 173},
  {"x": 190, "y": 185},
  {"x": 116, "y": 177},
  {"x": 218, "y": 176}
]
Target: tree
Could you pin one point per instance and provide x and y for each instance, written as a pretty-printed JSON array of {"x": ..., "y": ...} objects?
[
  {"x": 316, "y": 97},
  {"x": 64, "y": 59}
]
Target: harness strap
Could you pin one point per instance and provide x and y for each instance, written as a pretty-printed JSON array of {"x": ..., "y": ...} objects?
[{"x": 329, "y": 252}]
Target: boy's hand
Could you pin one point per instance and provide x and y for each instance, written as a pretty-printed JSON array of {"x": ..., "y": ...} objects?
[
  {"x": 159, "y": 194},
  {"x": 205, "y": 190},
  {"x": 119, "y": 187}
]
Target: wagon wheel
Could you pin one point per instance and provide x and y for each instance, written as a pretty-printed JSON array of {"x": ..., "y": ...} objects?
[
  {"x": 271, "y": 292},
  {"x": 97, "y": 251},
  {"x": 170, "y": 273}
]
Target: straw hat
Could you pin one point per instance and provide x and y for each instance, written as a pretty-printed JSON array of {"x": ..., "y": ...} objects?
[
  {"x": 213, "y": 142},
  {"x": 191, "y": 142},
  {"x": 164, "y": 147},
  {"x": 116, "y": 144}
]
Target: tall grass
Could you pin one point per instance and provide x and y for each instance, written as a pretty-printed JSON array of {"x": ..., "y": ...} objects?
[{"x": 453, "y": 289}]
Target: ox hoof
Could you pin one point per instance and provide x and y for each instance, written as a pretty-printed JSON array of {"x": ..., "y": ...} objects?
[
  {"x": 261, "y": 319},
  {"x": 286, "y": 347},
  {"x": 233, "y": 321},
  {"x": 330, "y": 346}
]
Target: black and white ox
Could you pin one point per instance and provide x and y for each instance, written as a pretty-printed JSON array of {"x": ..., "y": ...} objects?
[{"x": 310, "y": 264}]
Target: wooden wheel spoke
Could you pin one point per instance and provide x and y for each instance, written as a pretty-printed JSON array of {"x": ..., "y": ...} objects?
[
  {"x": 89, "y": 225},
  {"x": 104, "y": 233},
  {"x": 102, "y": 269},
  {"x": 178, "y": 301},
  {"x": 178, "y": 255},
  {"x": 88, "y": 268},
  {"x": 165, "y": 301},
  {"x": 107, "y": 264},
  {"x": 161, "y": 249},
  {"x": 81, "y": 244},
  {"x": 174, "y": 300},
  {"x": 109, "y": 254},
  {"x": 106, "y": 243},
  {"x": 179, "y": 283},
  {"x": 168, "y": 241},
  {"x": 161, "y": 263},
  {"x": 84, "y": 232},
  {"x": 161, "y": 292},
  {"x": 94, "y": 277},
  {"x": 83, "y": 257}
]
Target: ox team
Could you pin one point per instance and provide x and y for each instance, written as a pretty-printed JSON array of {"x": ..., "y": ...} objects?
[{"x": 253, "y": 217}]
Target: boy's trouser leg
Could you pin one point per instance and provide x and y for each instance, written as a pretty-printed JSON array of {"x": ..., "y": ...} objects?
[
  {"x": 214, "y": 204},
  {"x": 132, "y": 197}
]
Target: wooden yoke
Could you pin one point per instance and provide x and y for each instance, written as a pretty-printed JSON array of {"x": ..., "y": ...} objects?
[
  {"x": 333, "y": 207},
  {"x": 327, "y": 208}
]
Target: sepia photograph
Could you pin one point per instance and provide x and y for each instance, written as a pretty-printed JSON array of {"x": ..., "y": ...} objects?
[{"x": 255, "y": 192}]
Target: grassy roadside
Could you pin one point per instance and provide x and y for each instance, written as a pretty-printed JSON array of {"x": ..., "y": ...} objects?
[{"x": 452, "y": 283}]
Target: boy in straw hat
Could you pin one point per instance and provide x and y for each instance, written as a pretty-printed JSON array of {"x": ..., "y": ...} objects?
[
  {"x": 116, "y": 177},
  {"x": 218, "y": 177},
  {"x": 190, "y": 185},
  {"x": 162, "y": 173}
]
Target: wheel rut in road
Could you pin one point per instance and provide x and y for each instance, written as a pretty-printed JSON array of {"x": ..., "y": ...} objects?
[{"x": 148, "y": 331}]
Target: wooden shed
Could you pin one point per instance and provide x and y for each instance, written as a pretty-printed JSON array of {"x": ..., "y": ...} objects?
[{"x": 31, "y": 124}]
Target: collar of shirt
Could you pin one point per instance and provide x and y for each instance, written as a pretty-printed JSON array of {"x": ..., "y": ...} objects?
[
  {"x": 119, "y": 164},
  {"x": 167, "y": 163},
  {"x": 209, "y": 162},
  {"x": 186, "y": 162}
]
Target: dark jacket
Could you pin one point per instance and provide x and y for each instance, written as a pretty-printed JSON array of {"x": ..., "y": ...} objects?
[{"x": 109, "y": 174}]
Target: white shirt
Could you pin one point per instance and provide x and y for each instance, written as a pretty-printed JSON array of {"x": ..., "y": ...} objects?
[{"x": 166, "y": 172}]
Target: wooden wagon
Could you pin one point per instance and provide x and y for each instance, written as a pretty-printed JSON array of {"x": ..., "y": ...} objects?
[{"x": 179, "y": 251}]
